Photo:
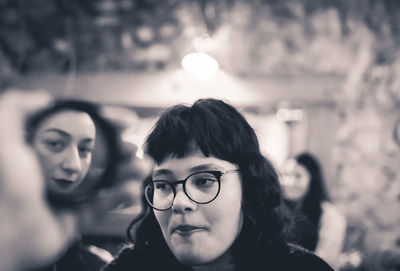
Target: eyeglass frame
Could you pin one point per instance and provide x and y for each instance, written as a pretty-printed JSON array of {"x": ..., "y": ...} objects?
[{"x": 217, "y": 173}]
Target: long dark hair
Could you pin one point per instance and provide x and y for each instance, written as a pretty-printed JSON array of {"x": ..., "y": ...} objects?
[
  {"x": 316, "y": 193},
  {"x": 219, "y": 130}
]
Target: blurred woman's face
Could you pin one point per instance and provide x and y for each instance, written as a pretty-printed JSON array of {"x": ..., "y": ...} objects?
[
  {"x": 296, "y": 180},
  {"x": 199, "y": 234},
  {"x": 64, "y": 142}
]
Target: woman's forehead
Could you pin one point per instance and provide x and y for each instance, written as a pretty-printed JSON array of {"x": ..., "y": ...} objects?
[
  {"x": 193, "y": 161},
  {"x": 72, "y": 122}
]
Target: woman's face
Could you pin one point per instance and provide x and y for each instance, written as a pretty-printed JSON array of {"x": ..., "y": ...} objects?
[
  {"x": 296, "y": 180},
  {"x": 196, "y": 233},
  {"x": 64, "y": 142}
]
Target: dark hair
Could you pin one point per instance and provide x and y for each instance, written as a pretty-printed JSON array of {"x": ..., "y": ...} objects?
[
  {"x": 219, "y": 130},
  {"x": 317, "y": 193}
]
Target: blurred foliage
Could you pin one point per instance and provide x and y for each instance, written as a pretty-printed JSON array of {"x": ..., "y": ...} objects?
[
  {"x": 85, "y": 35},
  {"x": 64, "y": 34}
]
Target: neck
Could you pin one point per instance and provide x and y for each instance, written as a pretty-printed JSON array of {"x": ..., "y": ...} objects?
[{"x": 223, "y": 263}]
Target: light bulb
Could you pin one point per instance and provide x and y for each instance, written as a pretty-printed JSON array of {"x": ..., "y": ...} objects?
[{"x": 200, "y": 65}]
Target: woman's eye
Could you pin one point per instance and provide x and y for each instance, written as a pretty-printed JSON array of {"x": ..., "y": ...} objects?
[
  {"x": 55, "y": 145},
  {"x": 161, "y": 186},
  {"x": 84, "y": 152},
  {"x": 205, "y": 181}
]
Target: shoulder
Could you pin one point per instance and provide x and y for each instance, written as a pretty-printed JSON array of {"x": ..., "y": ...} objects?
[
  {"x": 299, "y": 258},
  {"x": 332, "y": 215},
  {"x": 98, "y": 253},
  {"x": 82, "y": 257},
  {"x": 330, "y": 209},
  {"x": 142, "y": 259},
  {"x": 125, "y": 260}
]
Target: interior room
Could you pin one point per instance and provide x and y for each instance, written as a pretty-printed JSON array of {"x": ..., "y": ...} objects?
[{"x": 318, "y": 77}]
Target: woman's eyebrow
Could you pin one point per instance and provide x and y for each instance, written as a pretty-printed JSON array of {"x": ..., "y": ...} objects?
[
  {"x": 88, "y": 143},
  {"x": 162, "y": 172},
  {"x": 204, "y": 167},
  {"x": 87, "y": 140},
  {"x": 63, "y": 133},
  {"x": 210, "y": 166}
]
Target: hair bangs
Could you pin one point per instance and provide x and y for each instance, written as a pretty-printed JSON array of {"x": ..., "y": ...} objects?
[
  {"x": 170, "y": 135},
  {"x": 213, "y": 134},
  {"x": 181, "y": 130}
]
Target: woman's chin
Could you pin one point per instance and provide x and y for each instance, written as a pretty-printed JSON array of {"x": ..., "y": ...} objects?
[
  {"x": 60, "y": 186},
  {"x": 190, "y": 257}
]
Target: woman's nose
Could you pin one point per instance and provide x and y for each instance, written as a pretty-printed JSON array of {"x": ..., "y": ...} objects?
[
  {"x": 182, "y": 203},
  {"x": 71, "y": 162}
]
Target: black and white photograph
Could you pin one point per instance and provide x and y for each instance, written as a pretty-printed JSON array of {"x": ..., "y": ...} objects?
[{"x": 195, "y": 135}]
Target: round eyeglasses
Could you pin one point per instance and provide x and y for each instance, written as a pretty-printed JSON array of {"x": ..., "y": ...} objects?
[{"x": 201, "y": 187}]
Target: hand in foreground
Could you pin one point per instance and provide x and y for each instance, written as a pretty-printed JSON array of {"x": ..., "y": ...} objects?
[{"x": 33, "y": 233}]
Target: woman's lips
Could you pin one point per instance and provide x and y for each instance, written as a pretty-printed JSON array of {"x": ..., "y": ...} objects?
[
  {"x": 187, "y": 229},
  {"x": 63, "y": 183}
]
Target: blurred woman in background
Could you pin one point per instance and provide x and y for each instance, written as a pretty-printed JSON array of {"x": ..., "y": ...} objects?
[{"x": 313, "y": 220}]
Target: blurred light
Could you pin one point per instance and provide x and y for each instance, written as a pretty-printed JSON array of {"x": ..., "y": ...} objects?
[
  {"x": 145, "y": 33},
  {"x": 168, "y": 31},
  {"x": 61, "y": 46},
  {"x": 290, "y": 115},
  {"x": 140, "y": 153},
  {"x": 126, "y": 40},
  {"x": 204, "y": 43},
  {"x": 200, "y": 65},
  {"x": 106, "y": 20}
]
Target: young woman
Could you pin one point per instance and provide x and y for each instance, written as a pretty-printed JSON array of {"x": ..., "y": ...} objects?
[
  {"x": 316, "y": 223},
  {"x": 64, "y": 139},
  {"x": 213, "y": 200},
  {"x": 64, "y": 142}
]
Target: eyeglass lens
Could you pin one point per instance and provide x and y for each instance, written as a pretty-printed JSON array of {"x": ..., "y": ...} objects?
[{"x": 201, "y": 187}]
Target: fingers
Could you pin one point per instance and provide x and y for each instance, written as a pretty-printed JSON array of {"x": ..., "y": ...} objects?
[
  {"x": 15, "y": 107},
  {"x": 20, "y": 103},
  {"x": 69, "y": 225},
  {"x": 20, "y": 172},
  {"x": 46, "y": 232},
  {"x": 48, "y": 236},
  {"x": 26, "y": 101},
  {"x": 141, "y": 168},
  {"x": 127, "y": 192},
  {"x": 30, "y": 231}
]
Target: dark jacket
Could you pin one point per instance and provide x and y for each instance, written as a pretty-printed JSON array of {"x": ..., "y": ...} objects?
[
  {"x": 296, "y": 259},
  {"x": 78, "y": 258}
]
